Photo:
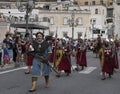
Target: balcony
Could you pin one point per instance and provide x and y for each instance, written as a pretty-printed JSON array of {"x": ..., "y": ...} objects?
[{"x": 109, "y": 19}]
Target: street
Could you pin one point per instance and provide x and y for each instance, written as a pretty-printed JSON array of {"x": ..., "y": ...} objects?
[{"x": 88, "y": 81}]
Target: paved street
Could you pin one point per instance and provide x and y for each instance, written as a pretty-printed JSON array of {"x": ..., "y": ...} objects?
[{"x": 14, "y": 81}]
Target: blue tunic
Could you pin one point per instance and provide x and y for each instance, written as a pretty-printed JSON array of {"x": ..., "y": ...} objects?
[{"x": 39, "y": 67}]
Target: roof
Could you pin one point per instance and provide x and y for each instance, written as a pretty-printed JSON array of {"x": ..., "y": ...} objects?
[{"x": 30, "y": 26}]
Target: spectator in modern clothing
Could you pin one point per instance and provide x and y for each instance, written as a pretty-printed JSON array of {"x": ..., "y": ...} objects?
[
  {"x": 0, "y": 53},
  {"x": 19, "y": 50},
  {"x": 16, "y": 35},
  {"x": 6, "y": 58},
  {"x": 9, "y": 43}
]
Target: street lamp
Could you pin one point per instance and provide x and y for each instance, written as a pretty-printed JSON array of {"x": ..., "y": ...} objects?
[
  {"x": 93, "y": 24},
  {"x": 72, "y": 23},
  {"x": 27, "y": 7}
]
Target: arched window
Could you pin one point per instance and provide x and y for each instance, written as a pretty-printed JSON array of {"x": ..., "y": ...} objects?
[
  {"x": 65, "y": 21},
  {"x": 80, "y": 21},
  {"x": 64, "y": 34},
  {"x": 96, "y": 11},
  {"x": 51, "y": 20}
]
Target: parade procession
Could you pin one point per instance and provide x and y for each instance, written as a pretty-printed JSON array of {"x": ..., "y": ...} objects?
[
  {"x": 46, "y": 54},
  {"x": 59, "y": 47}
]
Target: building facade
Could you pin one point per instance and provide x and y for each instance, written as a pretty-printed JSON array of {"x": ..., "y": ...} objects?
[
  {"x": 109, "y": 5},
  {"x": 95, "y": 2},
  {"x": 91, "y": 17},
  {"x": 117, "y": 18}
]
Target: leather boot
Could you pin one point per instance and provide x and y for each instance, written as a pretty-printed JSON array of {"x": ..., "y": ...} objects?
[
  {"x": 58, "y": 75},
  {"x": 82, "y": 68},
  {"x": 103, "y": 76},
  {"x": 47, "y": 81},
  {"x": 34, "y": 84}
]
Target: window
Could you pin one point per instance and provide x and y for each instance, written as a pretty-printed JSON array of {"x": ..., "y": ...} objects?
[
  {"x": 86, "y": 2},
  {"x": 93, "y": 21},
  {"x": 80, "y": 21},
  {"x": 111, "y": 3},
  {"x": 97, "y": 31},
  {"x": 96, "y": 11},
  {"x": 118, "y": 3},
  {"x": 51, "y": 20},
  {"x": 57, "y": 8},
  {"x": 103, "y": 32},
  {"x": 52, "y": 33},
  {"x": 93, "y": 2},
  {"x": 109, "y": 12},
  {"x": 65, "y": 20},
  {"x": 79, "y": 35},
  {"x": 64, "y": 34},
  {"x": 101, "y": 2}
]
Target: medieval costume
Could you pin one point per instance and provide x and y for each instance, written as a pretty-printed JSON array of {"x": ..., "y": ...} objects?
[
  {"x": 52, "y": 57},
  {"x": 42, "y": 52},
  {"x": 108, "y": 65},
  {"x": 115, "y": 57},
  {"x": 81, "y": 56},
  {"x": 101, "y": 56},
  {"x": 28, "y": 57},
  {"x": 58, "y": 54},
  {"x": 65, "y": 63}
]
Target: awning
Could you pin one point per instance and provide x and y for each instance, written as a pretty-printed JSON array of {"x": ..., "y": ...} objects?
[{"x": 30, "y": 26}]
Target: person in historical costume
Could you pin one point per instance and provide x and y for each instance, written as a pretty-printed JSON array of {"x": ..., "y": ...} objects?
[
  {"x": 96, "y": 45},
  {"x": 14, "y": 38},
  {"x": 81, "y": 55},
  {"x": 115, "y": 58},
  {"x": 53, "y": 54},
  {"x": 65, "y": 63},
  {"x": 101, "y": 57},
  {"x": 58, "y": 54},
  {"x": 42, "y": 51},
  {"x": 18, "y": 46},
  {"x": 108, "y": 65},
  {"x": 28, "y": 57}
]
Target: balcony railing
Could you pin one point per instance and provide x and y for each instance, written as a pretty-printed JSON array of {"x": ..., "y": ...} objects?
[{"x": 64, "y": 11}]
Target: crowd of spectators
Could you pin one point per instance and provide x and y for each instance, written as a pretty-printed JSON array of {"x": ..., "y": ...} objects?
[{"x": 12, "y": 49}]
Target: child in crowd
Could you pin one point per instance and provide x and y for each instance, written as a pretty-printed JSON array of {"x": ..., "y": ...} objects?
[
  {"x": 6, "y": 58},
  {"x": 0, "y": 54}
]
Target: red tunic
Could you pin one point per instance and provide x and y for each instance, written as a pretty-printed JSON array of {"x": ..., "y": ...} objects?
[
  {"x": 30, "y": 60},
  {"x": 65, "y": 63},
  {"x": 29, "y": 56},
  {"x": 115, "y": 58},
  {"x": 52, "y": 57},
  {"x": 81, "y": 56},
  {"x": 108, "y": 65}
]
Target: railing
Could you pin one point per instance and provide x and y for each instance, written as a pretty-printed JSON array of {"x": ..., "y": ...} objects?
[{"x": 64, "y": 11}]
